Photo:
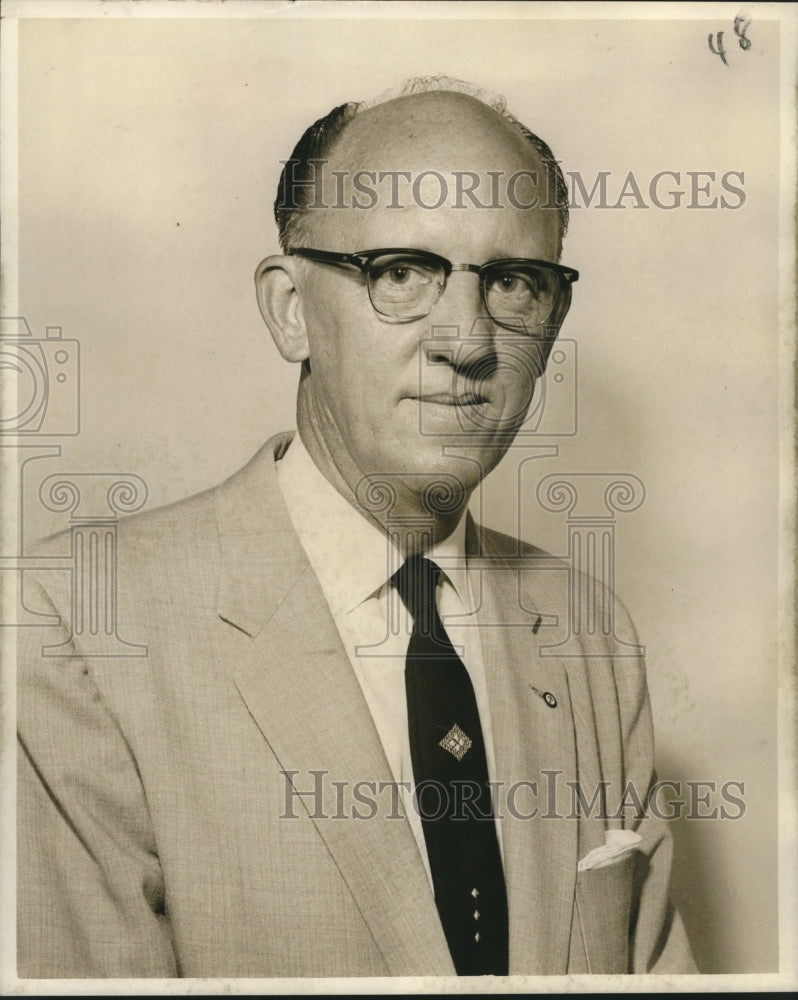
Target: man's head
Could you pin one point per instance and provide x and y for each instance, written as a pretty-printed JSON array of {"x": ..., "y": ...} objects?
[{"x": 400, "y": 361}]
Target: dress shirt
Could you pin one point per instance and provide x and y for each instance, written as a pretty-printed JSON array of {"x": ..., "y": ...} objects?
[{"x": 354, "y": 561}]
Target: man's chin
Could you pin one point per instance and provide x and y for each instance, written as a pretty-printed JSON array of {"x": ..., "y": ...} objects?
[
  {"x": 470, "y": 454},
  {"x": 449, "y": 468}
]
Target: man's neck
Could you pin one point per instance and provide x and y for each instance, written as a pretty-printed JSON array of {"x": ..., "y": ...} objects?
[{"x": 410, "y": 518}]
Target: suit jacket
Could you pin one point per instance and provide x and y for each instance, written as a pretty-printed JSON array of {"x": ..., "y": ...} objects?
[{"x": 214, "y": 808}]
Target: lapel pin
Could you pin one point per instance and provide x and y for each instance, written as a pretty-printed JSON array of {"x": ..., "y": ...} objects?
[{"x": 547, "y": 696}]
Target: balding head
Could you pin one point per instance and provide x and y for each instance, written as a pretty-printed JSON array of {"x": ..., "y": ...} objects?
[
  {"x": 433, "y": 126},
  {"x": 406, "y": 128}
]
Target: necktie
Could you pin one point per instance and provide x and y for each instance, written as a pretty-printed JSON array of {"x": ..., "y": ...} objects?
[{"x": 451, "y": 778}]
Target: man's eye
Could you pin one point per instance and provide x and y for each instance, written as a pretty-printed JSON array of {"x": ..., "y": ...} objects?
[
  {"x": 515, "y": 285},
  {"x": 401, "y": 274}
]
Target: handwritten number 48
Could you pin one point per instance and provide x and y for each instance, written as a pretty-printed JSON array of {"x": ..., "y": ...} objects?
[{"x": 741, "y": 25}]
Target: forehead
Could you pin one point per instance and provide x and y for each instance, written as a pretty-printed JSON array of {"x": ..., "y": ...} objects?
[{"x": 401, "y": 173}]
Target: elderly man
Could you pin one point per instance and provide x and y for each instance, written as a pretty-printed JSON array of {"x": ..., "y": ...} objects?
[{"x": 346, "y": 752}]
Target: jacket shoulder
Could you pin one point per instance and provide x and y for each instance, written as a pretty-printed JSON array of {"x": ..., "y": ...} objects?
[
  {"x": 498, "y": 544},
  {"x": 170, "y": 524}
]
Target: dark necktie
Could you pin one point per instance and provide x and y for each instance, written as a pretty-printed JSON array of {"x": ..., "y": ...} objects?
[{"x": 451, "y": 777}]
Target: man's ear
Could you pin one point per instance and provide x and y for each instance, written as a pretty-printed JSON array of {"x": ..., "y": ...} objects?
[{"x": 280, "y": 306}]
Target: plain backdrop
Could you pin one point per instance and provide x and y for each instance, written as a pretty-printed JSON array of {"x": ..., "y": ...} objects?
[{"x": 148, "y": 159}]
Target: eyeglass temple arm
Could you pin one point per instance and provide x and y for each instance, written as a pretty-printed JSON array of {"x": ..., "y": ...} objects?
[{"x": 328, "y": 256}]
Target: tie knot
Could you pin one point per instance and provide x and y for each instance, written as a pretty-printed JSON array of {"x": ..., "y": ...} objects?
[{"x": 416, "y": 581}]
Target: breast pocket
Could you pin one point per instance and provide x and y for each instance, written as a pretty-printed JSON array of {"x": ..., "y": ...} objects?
[{"x": 603, "y": 905}]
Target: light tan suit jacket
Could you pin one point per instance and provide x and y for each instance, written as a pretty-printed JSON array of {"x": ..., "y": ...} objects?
[{"x": 159, "y": 836}]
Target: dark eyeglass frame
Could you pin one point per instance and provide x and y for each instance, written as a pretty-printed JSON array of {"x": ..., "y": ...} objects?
[{"x": 363, "y": 260}]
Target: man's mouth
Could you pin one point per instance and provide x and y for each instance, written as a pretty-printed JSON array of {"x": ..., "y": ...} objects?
[{"x": 463, "y": 399}]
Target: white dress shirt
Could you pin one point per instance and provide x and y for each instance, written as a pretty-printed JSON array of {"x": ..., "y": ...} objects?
[{"x": 354, "y": 561}]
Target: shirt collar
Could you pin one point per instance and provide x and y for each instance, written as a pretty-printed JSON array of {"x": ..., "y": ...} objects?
[{"x": 352, "y": 557}]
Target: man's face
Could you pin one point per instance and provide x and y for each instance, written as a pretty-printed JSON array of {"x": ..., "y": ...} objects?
[{"x": 387, "y": 397}]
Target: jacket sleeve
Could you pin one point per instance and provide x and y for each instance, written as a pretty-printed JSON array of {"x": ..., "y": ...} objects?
[
  {"x": 90, "y": 892},
  {"x": 657, "y": 939}
]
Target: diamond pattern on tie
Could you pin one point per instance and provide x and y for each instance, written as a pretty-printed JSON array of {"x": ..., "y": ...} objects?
[{"x": 456, "y": 742}]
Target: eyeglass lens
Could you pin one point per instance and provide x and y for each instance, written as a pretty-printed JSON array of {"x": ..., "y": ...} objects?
[{"x": 406, "y": 287}]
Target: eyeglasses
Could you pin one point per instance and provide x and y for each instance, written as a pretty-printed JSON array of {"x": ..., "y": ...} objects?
[{"x": 519, "y": 294}]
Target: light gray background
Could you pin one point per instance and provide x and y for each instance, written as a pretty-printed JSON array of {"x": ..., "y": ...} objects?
[{"x": 148, "y": 157}]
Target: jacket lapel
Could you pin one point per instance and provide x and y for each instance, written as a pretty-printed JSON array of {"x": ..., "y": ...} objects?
[
  {"x": 301, "y": 691},
  {"x": 530, "y": 738}
]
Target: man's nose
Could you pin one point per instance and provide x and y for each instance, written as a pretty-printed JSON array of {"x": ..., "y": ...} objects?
[{"x": 461, "y": 331}]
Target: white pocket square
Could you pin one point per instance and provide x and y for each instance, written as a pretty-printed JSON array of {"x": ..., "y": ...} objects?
[{"x": 617, "y": 844}]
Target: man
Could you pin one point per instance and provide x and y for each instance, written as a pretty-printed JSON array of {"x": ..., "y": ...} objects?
[{"x": 346, "y": 752}]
